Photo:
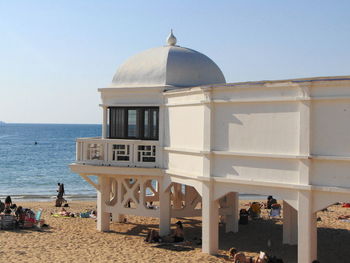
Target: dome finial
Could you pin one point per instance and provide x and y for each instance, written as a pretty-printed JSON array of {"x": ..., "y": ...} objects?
[{"x": 171, "y": 40}]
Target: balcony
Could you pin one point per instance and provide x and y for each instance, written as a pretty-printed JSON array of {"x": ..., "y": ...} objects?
[{"x": 116, "y": 152}]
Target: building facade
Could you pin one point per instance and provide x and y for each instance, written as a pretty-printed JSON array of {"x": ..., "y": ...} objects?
[{"x": 175, "y": 134}]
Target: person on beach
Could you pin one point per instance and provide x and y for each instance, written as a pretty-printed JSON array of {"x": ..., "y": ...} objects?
[
  {"x": 20, "y": 216},
  {"x": 237, "y": 256},
  {"x": 255, "y": 210},
  {"x": 2, "y": 207},
  {"x": 178, "y": 235},
  {"x": 8, "y": 202},
  {"x": 152, "y": 236},
  {"x": 270, "y": 201},
  {"x": 60, "y": 190},
  {"x": 64, "y": 212}
]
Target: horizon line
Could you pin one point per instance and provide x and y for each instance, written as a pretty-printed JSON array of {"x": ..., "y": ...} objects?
[{"x": 3, "y": 122}]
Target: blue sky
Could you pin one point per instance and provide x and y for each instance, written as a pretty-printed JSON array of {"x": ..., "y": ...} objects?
[{"x": 54, "y": 55}]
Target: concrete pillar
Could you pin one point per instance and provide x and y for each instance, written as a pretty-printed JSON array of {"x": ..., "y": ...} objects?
[
  {"x": 104, "y": 122},
  {"x": 210, "y": 220},
  {"x": 307, "y": 228},
  {"x": 290, "y": 224},
  {"x": 103, "y": 218},
  {"x": 165, "y": 210},
  {"x": 119, "y": 218},
  {"x": 231, "y": 220}
]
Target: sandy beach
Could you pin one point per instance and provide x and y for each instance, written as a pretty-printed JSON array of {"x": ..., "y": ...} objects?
[{"x": 77, "y": 240}]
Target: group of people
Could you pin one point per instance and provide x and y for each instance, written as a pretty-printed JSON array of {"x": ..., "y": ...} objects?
[
  {"x": 13, "y": 216},
  {"x": 7, "y": 207},
  {"x": 177, "y": 235},
  {"x": 254, "y": 211},
  {"x": 240, "y": 257}
]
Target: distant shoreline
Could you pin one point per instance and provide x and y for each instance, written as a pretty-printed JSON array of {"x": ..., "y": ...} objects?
[{"x": 43, "y": 123}]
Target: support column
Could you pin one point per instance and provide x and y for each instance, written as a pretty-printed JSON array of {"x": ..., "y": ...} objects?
[
  {"x": 307, "y": 228},
  {"x": 164, "y": 210},
  {"x": 232, "y": 202},
  {"x": 210, "y": 220},
  {"x": 119, "y": 218},
  {"x": 104, "y": 122},
  {"x": 103, "y": 218},
  {"x": 290, "y": 224}
]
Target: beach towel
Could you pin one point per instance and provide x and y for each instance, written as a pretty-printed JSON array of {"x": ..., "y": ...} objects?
[{"x": 58, "y": 215}]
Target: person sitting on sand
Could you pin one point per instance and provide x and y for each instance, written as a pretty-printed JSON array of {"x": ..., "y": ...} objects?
[
  {"x": 2, "y": 207},
  {"x": 152, "y": 236},
  {"x": 20, "y": 215},
  {"x": 178, "y": 235},
  {"x": 270, "y": 201},
  {"x": 255, "y": 210},
  {"x": 64, "y": 212},
  {"x": 238, "y": 257},
  {"x": 262, "y": 258},
  {"x": 8, "y": 202},
  {"x": 8, "y": 211}
]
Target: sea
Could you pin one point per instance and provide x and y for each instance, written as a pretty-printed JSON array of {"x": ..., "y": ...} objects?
[{"x": 35, "y": 157}]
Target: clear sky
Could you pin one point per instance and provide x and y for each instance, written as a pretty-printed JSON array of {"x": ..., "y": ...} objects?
[{"x": 54, "y": 55}]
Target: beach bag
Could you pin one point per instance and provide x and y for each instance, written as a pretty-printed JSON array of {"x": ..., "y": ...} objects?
[
  {"x": 8, "y": 222},
  {"x": 85, "y": 215}
]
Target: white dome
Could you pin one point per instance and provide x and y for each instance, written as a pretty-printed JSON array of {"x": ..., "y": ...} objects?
[{"x": 168, "y": 66}]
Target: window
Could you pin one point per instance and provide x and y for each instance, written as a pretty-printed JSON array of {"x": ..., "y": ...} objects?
[{"x": 134, "y": 123}]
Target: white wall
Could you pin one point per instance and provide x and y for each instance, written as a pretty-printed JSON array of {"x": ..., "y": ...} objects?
[
  {"x": 260, "y": 169},
  {"x": 330, "y": 127},
  {"x": 330, "y": 173},
  {"x": 184, "y": 164},
  {"x": 256, "y": 127},
  {"x": 184, "y": 127}
]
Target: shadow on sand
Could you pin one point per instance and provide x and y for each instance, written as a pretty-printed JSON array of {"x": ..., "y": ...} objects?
[{"x": 253, "y": 238}]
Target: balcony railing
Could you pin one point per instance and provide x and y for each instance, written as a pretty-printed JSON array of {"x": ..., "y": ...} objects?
[{"x": 116, "y": 152}]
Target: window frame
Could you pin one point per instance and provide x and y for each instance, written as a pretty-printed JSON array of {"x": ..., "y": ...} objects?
[{"x": 140, "y": 118}]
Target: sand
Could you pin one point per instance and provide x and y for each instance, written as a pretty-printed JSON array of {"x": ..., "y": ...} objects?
[{"x": 76, "y": 239}]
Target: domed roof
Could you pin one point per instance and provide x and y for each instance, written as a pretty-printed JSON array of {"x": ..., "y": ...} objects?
[{"x": 169, "y": 65}]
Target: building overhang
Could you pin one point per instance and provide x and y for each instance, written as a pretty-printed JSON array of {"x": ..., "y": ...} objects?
[{"x": 85, "y": 169}]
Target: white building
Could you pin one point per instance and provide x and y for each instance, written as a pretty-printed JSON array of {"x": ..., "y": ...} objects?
[{"x": 169, "y": 116}]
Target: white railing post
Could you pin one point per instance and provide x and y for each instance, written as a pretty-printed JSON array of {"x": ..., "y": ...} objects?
[{"x": 104, "y": 122}]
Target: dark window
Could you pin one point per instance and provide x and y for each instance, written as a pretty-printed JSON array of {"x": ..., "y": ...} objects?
[{"x": 134, "y": 123}]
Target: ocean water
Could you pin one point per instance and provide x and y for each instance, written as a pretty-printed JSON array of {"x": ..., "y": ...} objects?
[{"x": 31, "y": 171}]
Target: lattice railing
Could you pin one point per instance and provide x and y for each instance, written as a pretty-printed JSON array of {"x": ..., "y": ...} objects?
[{"x": 113, "y": 152}]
